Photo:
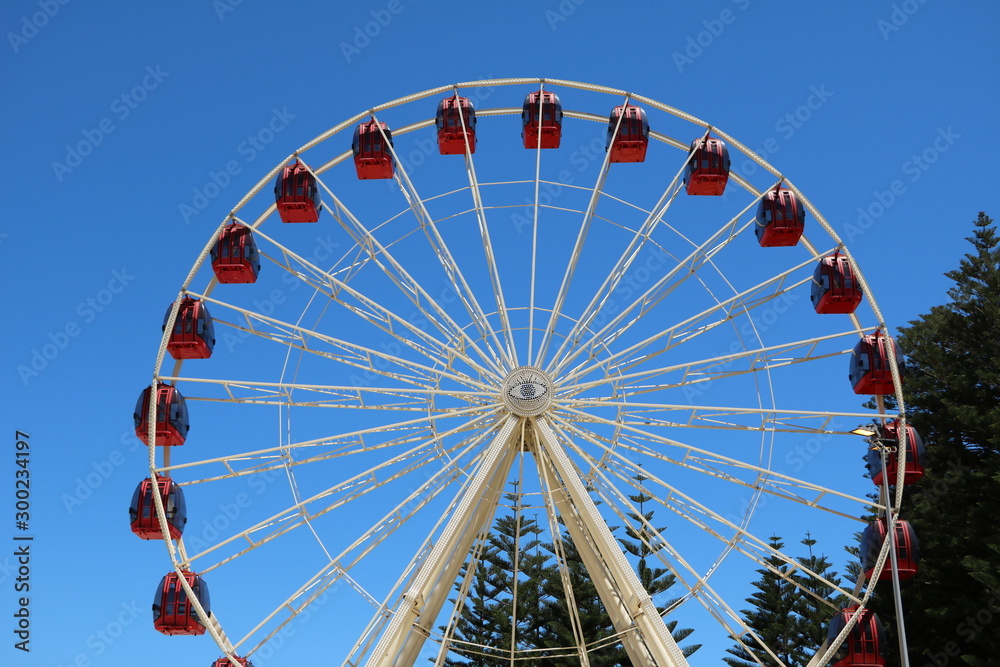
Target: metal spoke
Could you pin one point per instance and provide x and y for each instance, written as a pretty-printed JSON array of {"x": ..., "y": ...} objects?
[
  {"x": 447, "y": 260},
  {"x": 696, "y": 325},
  {"x": 662, "y": 288},
  {"x": 399, "y": 276},
  {"x": 588, "y": 218}
]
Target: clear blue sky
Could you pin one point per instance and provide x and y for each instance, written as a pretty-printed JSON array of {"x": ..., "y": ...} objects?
[{"x": 884, "y": 107}]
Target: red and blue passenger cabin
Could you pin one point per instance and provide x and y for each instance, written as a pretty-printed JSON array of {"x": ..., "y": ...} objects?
[
  {"x": 171, "y": 416},
  {"x": 296, "y": 194},
  {"x": 173, "y": 614},
  {"x": 193, "y": 335},
  {"x": 906, "y": 546},
  {"x": 372, "y": 147},
  {"x": 628, "y": 134},
  {"x": 142, "y": 511},
  {"x": 226, "y": 662},
  {"x": 865, "y": 645},
  {"x": 834, "y": 287},
  {"x": 781, "y": 218},
  {"x": 870, "y": 372},
  {"x": 541, "y": 120},
  {"x": 235, "y": 258},
  {"x": 708, "y": 167},
  {"x": 913, "y": 469},
  {"x": 456, "y": 124}
]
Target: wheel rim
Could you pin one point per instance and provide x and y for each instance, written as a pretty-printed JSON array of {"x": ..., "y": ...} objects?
[{"x": 442, "y": 382}]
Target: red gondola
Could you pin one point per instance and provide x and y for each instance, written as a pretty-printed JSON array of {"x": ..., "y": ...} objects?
[
  {"x": 172, "y": 613},
  {"x": 456, "y": 121},
  {"x": 142, "y": 512},
  {"x": 780, "y": 218},
  {"x": 906, "y": 546},
  {"x": 372, "y": 154},
  {"x": 193, "y": 336},
  {"x": 171, "y": 416},
  {"x": 541, "y": 117},
  {"x": 708, "y": 167},
  {"x": 632, "y": 138},
  {"x": 870, "y": 372},
  {"x": 296, "y": 194},
  {"x": 865, "y": 645},
  {"x": 234, "y": 256},
  {"x": 834, "y": 288},
  {"x": 914, "y": 468},
  {"x": 226, "y": 662}
]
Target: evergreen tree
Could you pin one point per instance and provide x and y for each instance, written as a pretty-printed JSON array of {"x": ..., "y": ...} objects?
[
  {"x": 511, "y": 566},
  {"x": 594, "y": 619},
  {"x": 595, "y": 624},
  {"x": 655, "y": 580},
  {"x": 772, "y": 616},
  {"x": 813, "y": 615},
  {"x": 952, "y": 392},
  {"x": 477, "y": 623}
]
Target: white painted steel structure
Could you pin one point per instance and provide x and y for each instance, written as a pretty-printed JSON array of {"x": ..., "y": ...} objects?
[{"x": 564, "y": 327}]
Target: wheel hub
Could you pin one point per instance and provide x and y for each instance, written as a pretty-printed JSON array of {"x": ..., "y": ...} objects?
[{"x": 527, "y": 391}]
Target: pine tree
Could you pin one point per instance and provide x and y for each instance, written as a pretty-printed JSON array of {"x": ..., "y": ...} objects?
[
  {"x": 813, "y": 615},
  {"x": 772, "y": 616},
  {"x": 595, "y": 624},
  {"x": 594, "y": 619},
  {"x": 510, "y": 566},
  {"x": 952, "y": 392},
  {"x": 655, "y": 580}
]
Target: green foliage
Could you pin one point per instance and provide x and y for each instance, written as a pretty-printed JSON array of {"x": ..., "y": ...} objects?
[
  {"x": 789, "y": 611},
  {"x": 952, "y": 392},
  {"x": 544, "y": 619}
]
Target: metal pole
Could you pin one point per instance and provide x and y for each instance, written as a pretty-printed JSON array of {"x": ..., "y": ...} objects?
[{"x": 891, "y": 536}]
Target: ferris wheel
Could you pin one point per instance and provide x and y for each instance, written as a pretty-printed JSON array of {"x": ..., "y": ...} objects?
[{"x": 570, "y": 310}]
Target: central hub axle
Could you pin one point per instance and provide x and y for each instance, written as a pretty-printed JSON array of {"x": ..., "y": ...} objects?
[{"x": 527, "y": 391}]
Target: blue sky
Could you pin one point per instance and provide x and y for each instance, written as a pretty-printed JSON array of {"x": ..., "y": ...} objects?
[{"x": 122, "y": 116}]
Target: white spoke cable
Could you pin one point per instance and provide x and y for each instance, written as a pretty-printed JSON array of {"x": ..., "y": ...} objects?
[
  {"x": 456, "y": 278},
  {"x": 354, "y": 487},
  {"x": 407, "y": 285},
  {"x": 759, "y": 359},
  {"x": 351, "y": 439},
  {"x": 692, "y": 327},
  {"x": 625, "y": 261},
  {"x": 588, "y": 217},
  {"x": 372, "y": 311},
  {"x": 355, "y": 355},
  {"x": 740, "y": 534},
  {"x": 764, "y": 474},
  {"x": 663, "y": 287}
]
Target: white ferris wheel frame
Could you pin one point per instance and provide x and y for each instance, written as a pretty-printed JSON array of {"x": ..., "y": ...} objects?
[{"x": 435, "y": 568}]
